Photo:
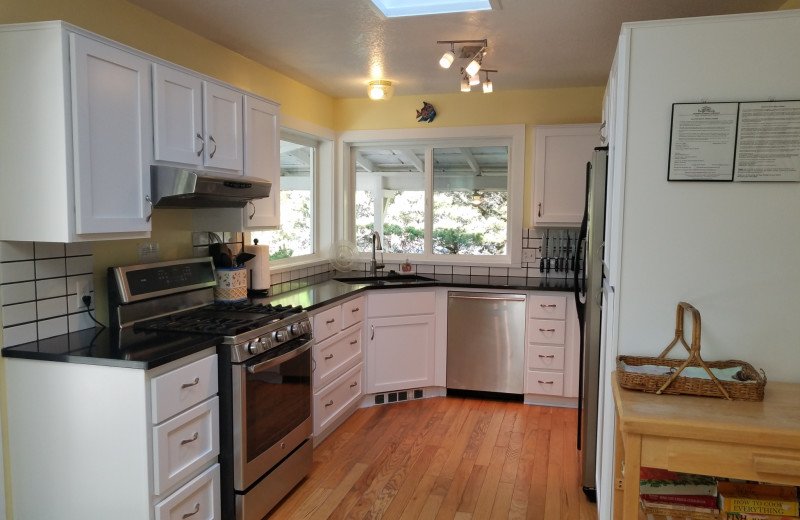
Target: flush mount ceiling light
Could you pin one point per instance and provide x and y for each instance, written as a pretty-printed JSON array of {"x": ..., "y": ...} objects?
[
  {"x": 379, "y": 89},
  {"x": 473, "y": 53}
]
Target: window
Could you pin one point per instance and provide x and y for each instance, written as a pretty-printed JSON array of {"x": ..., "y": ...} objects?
[
  {"x": 296, "y": 236},
  {"x": 450, "y": 200}
]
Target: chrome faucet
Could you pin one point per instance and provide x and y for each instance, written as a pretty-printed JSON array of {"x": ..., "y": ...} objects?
[{"x": 376, "y": 245}]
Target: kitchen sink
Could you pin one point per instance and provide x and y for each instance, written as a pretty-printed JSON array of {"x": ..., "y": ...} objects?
[{"x": 385, "y": 279}]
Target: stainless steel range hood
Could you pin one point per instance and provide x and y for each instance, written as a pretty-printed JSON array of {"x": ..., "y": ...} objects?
[{"x": 174, "y": 187}]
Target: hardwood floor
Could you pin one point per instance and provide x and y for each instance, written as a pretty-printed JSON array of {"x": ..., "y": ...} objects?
[{"x": 446, "y": 458}]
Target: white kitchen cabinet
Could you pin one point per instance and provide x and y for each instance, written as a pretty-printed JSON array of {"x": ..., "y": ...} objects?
[
  {"x": 552, "y": 350},
  {"x": 338, "y": 353},
  {"x": 262, "y": 159},
  {"x": 75, "y": 125},
  {"x": 197, "y": 123},
  {"x": 559, "y": 172},
  {"x": 89, "y": 437},
  {"x": 400, "y": 340}
]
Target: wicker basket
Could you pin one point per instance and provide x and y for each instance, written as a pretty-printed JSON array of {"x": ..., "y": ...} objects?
[{"x": 674, "y": 383}]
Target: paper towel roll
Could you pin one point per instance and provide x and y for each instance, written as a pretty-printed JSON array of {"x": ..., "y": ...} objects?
[{"x": 259, "y": 267}]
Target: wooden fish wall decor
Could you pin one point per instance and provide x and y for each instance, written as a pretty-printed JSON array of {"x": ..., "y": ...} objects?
[{"x": 427, "y": 113}]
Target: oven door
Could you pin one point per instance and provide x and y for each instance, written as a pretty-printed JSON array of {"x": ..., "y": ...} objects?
[{"x": 272, "y": 409}]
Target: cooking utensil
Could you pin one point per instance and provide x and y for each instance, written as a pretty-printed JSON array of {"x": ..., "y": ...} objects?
[
  {"x": 241, "y": 258},
  {"x": 542, "y": 252},
  {"x": 547, "y": 249}
]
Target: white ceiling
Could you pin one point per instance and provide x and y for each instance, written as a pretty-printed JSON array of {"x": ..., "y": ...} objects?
[{"x": 337, "y": 46}]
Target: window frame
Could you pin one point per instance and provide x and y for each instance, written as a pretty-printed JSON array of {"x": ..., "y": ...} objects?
[
  {"x": 322, "y": 140},
  {"x": 429, "y": 138}
]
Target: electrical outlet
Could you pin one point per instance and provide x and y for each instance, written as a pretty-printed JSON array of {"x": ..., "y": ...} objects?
[
  {"x": 528, "y": 255},
  {"x": 82, "y": 288}
]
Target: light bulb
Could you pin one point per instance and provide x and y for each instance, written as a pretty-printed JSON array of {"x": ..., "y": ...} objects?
[
  {"x": 487, "y": 87},
  {"x": 447, "y": 59},
  {"x": 375, "y": 92},
  {"x": 473, "y": 68},
  {"x": 474, "y": 80},
  {"x": 379, "y": 89},
  {"x": 465, "y": 84}
]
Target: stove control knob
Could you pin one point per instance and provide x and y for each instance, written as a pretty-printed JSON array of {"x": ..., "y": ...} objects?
[
  {"x": 264, "y": 343},
  {"x": 281, "y": 335},
  {"x": 297, "y": 328},
  {"x": 254, "y": 347}
]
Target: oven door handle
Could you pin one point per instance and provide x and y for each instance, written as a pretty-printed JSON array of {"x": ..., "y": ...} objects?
[{"x": 258, "y": 367}]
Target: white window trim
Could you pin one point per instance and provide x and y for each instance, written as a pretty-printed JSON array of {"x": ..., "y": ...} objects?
[
  {"x": 516, "y": 179},
  {"x": 323, "y": 198}
]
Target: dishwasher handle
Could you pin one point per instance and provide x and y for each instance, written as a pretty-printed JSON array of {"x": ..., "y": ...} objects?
[{"x": 489, "y": 297}]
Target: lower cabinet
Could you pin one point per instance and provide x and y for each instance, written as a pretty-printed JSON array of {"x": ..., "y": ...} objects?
[
  {"x": 91, "y": 442},
  {"x": 338, "y": 364},
  {"x": 400, "y": 340},
  {"x": 552, "y": 349}
]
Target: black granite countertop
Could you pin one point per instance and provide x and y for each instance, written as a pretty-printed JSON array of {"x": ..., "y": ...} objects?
[
  {"x": 146, "y": 350},
  {"x": 327, "y": 292}
]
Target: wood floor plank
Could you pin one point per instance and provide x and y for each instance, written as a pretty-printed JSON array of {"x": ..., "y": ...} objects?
[{"x": 420, "y": 459}]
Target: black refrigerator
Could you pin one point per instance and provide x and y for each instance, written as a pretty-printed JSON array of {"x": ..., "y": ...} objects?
[{"x": 588, "y": 298}]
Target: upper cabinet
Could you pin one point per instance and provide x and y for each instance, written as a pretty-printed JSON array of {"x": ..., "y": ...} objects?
[
  {"x": 262, "y": 159},
  {"x": 196, "y": 123},
  {"x": 82, "y": 118},
  {"x": 561, "y": 153},
  {"x": 75, "y": 120}
]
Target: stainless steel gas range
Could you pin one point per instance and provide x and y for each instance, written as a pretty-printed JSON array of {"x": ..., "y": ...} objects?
[{"x": 264, "y": 373}]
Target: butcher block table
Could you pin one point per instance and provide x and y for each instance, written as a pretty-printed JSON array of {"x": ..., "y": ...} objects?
[{"x": 707, "y": 435}]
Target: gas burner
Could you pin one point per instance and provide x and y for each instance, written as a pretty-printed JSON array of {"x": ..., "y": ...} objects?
[{"x": 258, "y": 308}]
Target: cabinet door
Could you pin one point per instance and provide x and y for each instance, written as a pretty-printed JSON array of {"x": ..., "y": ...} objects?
[
  {"x": 222, "y": 108},
  {"x": 262, "y": 160},
  {"x": 560, "y": 156},
  {"x": 111, "y": 122},
  {"x": 177, "y": 116},
  {"x": 400, "y": 353}
]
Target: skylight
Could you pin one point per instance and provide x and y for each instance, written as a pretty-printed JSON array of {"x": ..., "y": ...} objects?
[{"x": 397, "y": 8}]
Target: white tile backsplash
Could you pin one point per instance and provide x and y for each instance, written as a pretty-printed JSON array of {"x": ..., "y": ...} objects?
[
  {"x": 49, "y": 250},
  {"x": 51, "y": 268},
  {"x": 17, "y": 292},
  {"x": 15, "y": 251},
  {"x": 37, "y": 289}
]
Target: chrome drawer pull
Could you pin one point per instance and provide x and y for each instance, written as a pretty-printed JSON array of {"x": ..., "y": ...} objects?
[
  {"x": 330, "y": 321},
  {"x": 551, "y": 356},
  {"x": 189, "y": 385},
  {"x": 202, "y": 145},
  {"x": 329, "y": 403},
  {"x": 329, "y": 356},
  {"x": 547, "y": 330},
  {"x": 187, "y": 441},
  {"x": 545, "y": 382},
  {"x": 211, "y": 138},
  {"x": 353, "y": 384},
  {"x": 196, "y": 510}
]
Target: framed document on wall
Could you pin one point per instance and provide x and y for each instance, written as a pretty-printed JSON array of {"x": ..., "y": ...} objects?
[{"x": 703, "y": 141}]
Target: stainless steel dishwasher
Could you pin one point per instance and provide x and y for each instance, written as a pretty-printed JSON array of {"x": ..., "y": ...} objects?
[{"x": 485, "y": 341}]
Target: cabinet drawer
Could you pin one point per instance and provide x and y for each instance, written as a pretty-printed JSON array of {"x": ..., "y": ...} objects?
[
  {"x": 353, "y": 312},
  {"x": 548, "y": 383},
  {"x": 546, "y": 331},
  {"x": 395, "y": 303},
  {"x": 183, "y": 388},
  {"x": 333, "y": 356},
  {"x": 327, "y": 323},
  {"x": 551, "y": 358},
  {"x": 548, "y": 307},
  {"x": 335, "y": 398},
  {"x": 184, "y": 444},
  {"x": 197, "y": 500}
]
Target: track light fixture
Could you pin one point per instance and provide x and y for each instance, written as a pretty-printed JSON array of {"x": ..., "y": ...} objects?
[
  {"x": 473, "y": 53},
  {"x": 487, "y": 85},
  {"x": 448, "y": 57}
]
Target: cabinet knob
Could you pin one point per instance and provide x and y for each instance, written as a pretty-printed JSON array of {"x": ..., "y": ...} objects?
[
  {"x": 540, "y": 209},
  {"x": 551, "y": 356},
  {"x": 192, "y": 439},
  {"x": 193, "y": 383},
  {"x": 329, "y": 356},
  {"x": 329, "y": 403},
  {"x": 330, "y": 321},
  {"x": 355, "y": 310},
  {"x": 353, "y": 384}
]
